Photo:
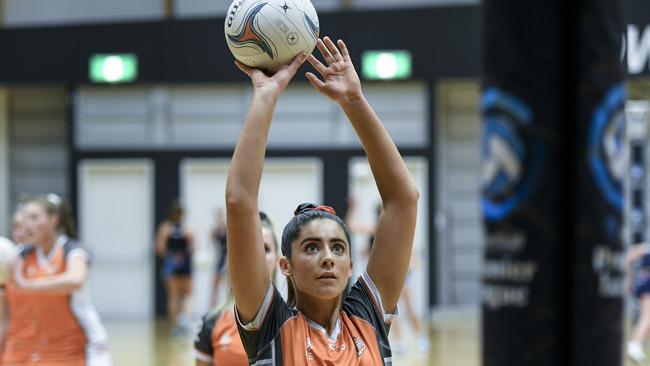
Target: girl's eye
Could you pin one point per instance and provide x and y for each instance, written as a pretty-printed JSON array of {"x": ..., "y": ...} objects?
[
  {"x": 339, "y": 248},
  {"x": 311, "y": 248}
]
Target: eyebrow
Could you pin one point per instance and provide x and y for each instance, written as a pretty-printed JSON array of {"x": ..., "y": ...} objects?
[{"x": 311, "y": 239}]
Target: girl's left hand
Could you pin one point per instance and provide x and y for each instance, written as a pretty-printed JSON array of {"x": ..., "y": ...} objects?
[{"x": 340, "y": 80}]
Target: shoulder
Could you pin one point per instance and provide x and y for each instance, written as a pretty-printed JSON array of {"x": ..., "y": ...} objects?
[
  {"x": 164, "y": 227},
  {"x": 203, "y": 339},
  {"x": 212, "y": 316},
  {"x": 73, "y": 248},
  {"x": 26, "y": 250},
  {"x": 364, "y": 300},
  {"x": 188, "y": 231}
]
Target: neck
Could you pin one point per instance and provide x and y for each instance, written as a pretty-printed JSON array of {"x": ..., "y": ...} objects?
[
  {"x": 48, "y": 243},
  {"x": 322, "y": 312}
]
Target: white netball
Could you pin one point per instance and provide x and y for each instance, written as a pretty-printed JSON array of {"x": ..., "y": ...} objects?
[
  {"x": 8, "y": 255},
  {"x": 268, "y": 34}
]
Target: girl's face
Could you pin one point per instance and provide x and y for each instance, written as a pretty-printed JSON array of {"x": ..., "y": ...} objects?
[
  {"x": 320, "y": 263},
  {"x": 271, "y": 253},
  {"x": 18, "y": 232},
  {"x": 39, "y": 226}
]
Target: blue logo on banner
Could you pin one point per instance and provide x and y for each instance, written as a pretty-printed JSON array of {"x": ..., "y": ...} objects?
[
  {"x": 510, "y": 161},
  {"x": 607, "y": 147}
]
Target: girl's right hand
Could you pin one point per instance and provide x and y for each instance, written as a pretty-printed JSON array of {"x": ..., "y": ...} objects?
[{"x": 272, "y": 85}]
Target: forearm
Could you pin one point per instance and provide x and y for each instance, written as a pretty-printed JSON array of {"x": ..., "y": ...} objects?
[
  {"x": 246, "y": 262},
  {"x": 391, "y": 175},
  {"x": 58, "y": 284},
  {"x": 248, "y": 158}
]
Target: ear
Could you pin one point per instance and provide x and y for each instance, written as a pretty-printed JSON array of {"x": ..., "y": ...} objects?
[
  {"x": 55, "y": 221},
  {"x": 285, "y": 266},
  {"x": 351, "y": 271}
]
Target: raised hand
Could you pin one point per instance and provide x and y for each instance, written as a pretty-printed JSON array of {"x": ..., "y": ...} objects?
[
  {"x": 340, "y": 81},
  {"x": 276, "y": 83}
]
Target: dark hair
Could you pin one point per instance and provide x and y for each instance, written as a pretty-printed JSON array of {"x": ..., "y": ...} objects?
[
  {"x": 175, "y": 211},
  {"x": 54, "y": 205},
  {"x": 230, "y": 298},
  {"x": 266, "y": 223},
  {"x": 303, "y": 214}
]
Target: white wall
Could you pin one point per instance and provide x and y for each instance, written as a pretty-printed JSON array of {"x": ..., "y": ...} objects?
[
  {"x": 48, "y": 12},
  {"x": 5, "y": 215},
  {"x": 218, "y": 8},
  {"x": 211, "y": 116},
  {"x": 286, "y": 182},
  {"x": 20, "y": 13},
  {"x": 368, "y": 4},
  {"x": 363, "y": 190},
  {"x": 458, "y": 215},
  {"x": 116, "y": 225}
]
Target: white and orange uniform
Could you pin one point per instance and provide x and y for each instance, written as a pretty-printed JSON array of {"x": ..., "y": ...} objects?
[
  {"x": 218, "y": 342},
  {"x": 282, "y": 336},
  {"x": 52, "y": 329}
]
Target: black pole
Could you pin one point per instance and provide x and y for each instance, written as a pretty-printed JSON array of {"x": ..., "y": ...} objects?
[{"x": 551, "y": 192}]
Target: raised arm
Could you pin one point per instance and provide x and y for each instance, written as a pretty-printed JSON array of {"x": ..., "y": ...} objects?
[
  {"x": 248, "y": 274},
  {"x": 396, "y": 227}
]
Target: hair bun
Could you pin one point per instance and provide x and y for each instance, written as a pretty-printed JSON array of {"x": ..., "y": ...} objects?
[{"x": 305, "y": 207}]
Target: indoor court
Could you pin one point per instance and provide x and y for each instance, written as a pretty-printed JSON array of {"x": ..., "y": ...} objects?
[{"x": 521, "y": 192}]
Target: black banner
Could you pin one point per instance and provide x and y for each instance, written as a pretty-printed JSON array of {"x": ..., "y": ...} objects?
[{"x": 553, "y": 163}]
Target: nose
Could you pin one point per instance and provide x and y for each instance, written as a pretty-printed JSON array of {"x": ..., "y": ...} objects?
[{"x": 327, "y": 261}]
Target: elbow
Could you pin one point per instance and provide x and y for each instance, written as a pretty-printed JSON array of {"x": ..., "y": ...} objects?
[
  {"x": 76, "y": 284},
  {"x": 236, "y": 202},
  {"x": 416, "y": 195},
  {"x": 411, "y": 196}
]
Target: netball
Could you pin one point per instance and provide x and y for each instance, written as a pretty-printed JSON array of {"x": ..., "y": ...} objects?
[
  {"x": 267, "y": 34},
  {"x": 8, "y": 254}
]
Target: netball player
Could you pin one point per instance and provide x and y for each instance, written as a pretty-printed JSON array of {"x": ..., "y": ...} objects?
[
  {"x": 18, "y": 227},
  {"x": 19, "y": 237},
  {"x": 219, "y": 238},
  {"x": 318, "y": 324},
  {"x": 175, "y": 244},
  {"x": 51, "y": 320},
  {"x": 639, "y": 285},
  {"x": 218, "y": 342}
]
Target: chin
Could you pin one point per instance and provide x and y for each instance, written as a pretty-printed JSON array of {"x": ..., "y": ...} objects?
[{"x": 328, "y": 292}]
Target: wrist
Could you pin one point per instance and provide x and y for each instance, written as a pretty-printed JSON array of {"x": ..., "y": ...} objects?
[
  {"x": 353, "y": 100},
  {"x": 266, "y": 96}
]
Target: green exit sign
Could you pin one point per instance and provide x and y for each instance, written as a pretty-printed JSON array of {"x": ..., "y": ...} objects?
[
  {"x": 386, "y": 65},
  {"x": 117, "y": 68}
]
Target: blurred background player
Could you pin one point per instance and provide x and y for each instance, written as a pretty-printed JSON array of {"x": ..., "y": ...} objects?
[
  {"x": 51, "y": 320},
  {"x": 18, "y": 227},
  {"x": 367, "y": 229},
  {"x": 218, "y": 342},
  {"x": 220, "y": 239},
  {"x": 637, "y": 266},
  {"x": 175, "y": 243}
]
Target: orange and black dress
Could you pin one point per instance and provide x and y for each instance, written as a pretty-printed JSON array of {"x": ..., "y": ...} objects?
[
  {"x": 281, "y": 335},
  {"x": 52, "y": 329}
]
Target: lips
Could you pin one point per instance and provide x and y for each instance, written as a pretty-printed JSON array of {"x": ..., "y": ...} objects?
[{"x": 327, "y": 276}]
